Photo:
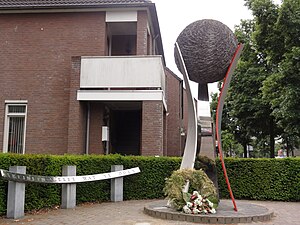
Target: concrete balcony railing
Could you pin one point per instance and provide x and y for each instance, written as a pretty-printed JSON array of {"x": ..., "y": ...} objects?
[{"x": 126, "y": 72}]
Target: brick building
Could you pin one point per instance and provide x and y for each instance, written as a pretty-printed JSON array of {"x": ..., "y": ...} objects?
[{"x": 86, "y": 77}]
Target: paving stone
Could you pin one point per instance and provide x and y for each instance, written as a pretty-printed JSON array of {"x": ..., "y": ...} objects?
[
  {"x": 132, "y": 213},
  {"x": 157, "y": 214},
  {"x": 235, "y": 220},
  {"x": 163, "y": 215},
  {"x": 213, "y": 220},
  {"x": 228, "y": 220},
  {"x": 182, "y": 217},
  {"x": 190, "y": 218},
  {"x": 221, "y": 220},
  {"x": 198, "y": 219},
  {"x": 205, "y": 220},
  {"x": 169, "y": 216},
  {"x": 243, "y": 219}
]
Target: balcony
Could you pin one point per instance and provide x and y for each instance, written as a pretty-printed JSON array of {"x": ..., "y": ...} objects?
[
  {"x": 122, "y": 78},
  {"x": 130, "y": 72}
]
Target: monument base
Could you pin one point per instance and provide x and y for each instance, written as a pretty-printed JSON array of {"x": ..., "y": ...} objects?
[{"x": 247, "y": 213}]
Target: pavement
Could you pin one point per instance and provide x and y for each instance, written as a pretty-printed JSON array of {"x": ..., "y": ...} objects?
[{"x": 132, "y": 213}]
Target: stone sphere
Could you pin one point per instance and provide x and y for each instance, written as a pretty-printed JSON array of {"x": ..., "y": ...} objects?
[{"x": 207, "y": 48}]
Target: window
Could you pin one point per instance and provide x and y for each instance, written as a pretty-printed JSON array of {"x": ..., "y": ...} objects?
[
  {"x": 15, "y": 127},
  {"x": 121, "y": 38}
]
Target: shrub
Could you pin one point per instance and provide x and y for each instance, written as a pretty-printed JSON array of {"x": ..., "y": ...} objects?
[
  {"x": 147, "y": 184},
  {"x": 261, "y": 179}
]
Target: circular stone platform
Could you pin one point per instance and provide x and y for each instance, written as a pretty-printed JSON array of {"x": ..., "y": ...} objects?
[{"x": 247, "y": 213}]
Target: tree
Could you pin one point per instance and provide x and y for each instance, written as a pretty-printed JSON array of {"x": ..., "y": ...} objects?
[
  {"x": 266, "y": 35},
  {"x": 249, "y": 110},
  {"x": 263, "y": 100},
  {"x": 282, "y": 89},
  {"x": 229, "y": 145}
]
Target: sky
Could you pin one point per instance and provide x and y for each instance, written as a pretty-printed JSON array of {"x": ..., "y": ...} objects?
[{"x": 175, "y": 15}]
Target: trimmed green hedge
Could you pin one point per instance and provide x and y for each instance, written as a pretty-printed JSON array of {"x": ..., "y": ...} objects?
[
  {"x": 147, "y": 184},
  {"x": 272, "y": 179},
  {"x": 261, "y": 179}
]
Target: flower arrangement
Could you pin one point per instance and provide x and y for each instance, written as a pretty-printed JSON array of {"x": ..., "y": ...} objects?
[
  {"x": 196, "y": 204},
  {"x": 198, "y": 181}
]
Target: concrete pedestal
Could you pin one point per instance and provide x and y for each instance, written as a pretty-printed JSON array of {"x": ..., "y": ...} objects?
[
  {"x": 16, "y": 195},
  {"x": 68, "y": 191},
  {"x": 116, "y": 188}
]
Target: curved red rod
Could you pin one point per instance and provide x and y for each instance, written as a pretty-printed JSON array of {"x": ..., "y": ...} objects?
[{"x": 221, "y": 101}]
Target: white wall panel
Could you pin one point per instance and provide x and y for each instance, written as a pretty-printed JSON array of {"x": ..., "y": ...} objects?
[
  {"x": 126, "y": 16},
  {"x": 122, "y": 72}
]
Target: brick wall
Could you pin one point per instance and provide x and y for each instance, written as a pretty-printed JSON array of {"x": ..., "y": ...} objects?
[
  {"x": 142, "y": 21},
  {"x": 35, "y": 64},
  {"x": 77, "y": 113},
  {"x": 174, "y": 121},
  {"x": 152, "y": 128},
  {"x": 96, "y": 123}
]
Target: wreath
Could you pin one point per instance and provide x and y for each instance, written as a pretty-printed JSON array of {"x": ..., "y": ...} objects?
[{"x": 198, "y": 181}]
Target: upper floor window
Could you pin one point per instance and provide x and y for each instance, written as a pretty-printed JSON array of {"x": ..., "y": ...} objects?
[
  {"x": 15, "y": 127},
  {"x": 121, "y": 30},
  {"x": 121, "y": 38}
]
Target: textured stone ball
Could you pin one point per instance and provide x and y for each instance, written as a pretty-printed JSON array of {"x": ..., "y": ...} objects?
[{"x": 207, "y": 47}]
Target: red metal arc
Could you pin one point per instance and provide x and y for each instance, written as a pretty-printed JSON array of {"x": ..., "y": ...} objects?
[{"x": 220, "y": 106}]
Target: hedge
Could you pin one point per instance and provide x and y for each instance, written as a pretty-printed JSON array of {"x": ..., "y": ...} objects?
[
  {"x": 148, "y": 184},
  {"x": 261, "y": 179}
]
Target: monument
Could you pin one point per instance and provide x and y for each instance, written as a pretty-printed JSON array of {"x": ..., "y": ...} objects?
[{"x": 206, "y": 51}]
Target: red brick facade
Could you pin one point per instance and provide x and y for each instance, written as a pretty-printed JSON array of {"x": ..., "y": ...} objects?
[
  {"x": 174, "y": 114},
  {"x": 152, "y": 129},
  {"x": 35, "y": 66},
  {"x": 96, "y": 123},
  {"x": 142, "y": 33},
  {"x": 40, "y": 63}
]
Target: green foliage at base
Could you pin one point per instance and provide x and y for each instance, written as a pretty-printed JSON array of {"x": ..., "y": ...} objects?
[
  {"x": 148, "y": 184},
  {"x": 261, "y": 179},
  {"x": 198, "y": 181}
]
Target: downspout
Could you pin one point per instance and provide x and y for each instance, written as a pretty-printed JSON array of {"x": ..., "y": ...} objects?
[{"x": 88, "y": 128}]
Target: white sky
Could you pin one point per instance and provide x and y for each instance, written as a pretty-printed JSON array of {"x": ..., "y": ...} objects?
[{"x": 175, "y": 15}]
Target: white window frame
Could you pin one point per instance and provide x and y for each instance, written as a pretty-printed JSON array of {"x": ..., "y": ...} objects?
[{"x": 7, "y": 120}]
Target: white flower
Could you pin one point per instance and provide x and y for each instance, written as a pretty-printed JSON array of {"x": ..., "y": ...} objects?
[
  {"x": 196, "y": 193},
  {"x": 211, "y": 204},
  {"x": 196, "y": 211},
  {"x": 213, "y": 211},
  {"x": 200, "y": 197},
  {"x": 189, "y": 204},
  {"x": 205, "y": 211},
  {"x": 186, "y": 209},
  {"x": 198, "y": 202}
]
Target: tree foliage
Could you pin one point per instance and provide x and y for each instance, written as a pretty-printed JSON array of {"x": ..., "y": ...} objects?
[
  {"x": 263, "y": 100},
  {"x": 283, "y": 91}
]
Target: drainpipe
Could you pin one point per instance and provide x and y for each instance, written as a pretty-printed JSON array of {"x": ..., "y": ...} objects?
[{"x": 88, "y": 128}]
